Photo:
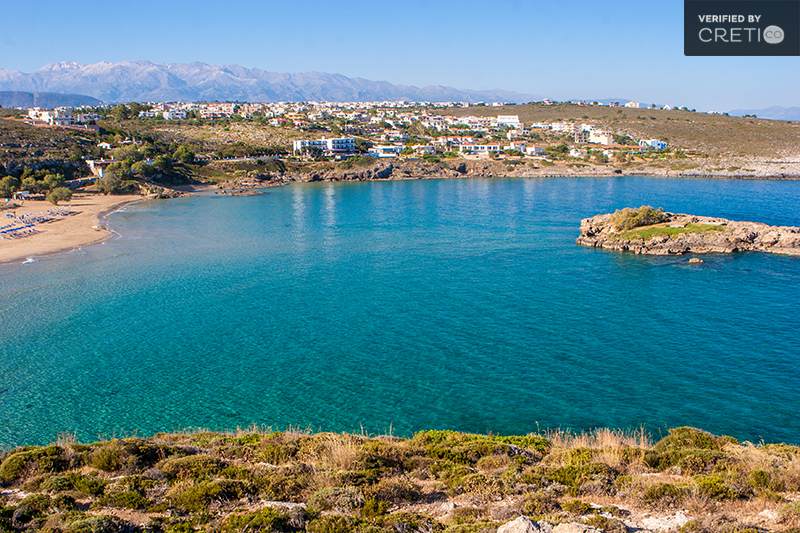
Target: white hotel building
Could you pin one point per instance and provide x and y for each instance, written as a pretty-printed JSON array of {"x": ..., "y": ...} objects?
[{"x": 342, "y": 145}]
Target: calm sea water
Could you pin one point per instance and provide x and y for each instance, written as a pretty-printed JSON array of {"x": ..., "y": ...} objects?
[{"x": 405, "y": 305}]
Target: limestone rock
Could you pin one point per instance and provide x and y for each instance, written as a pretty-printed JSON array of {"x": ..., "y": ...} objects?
[
  {"x": 726, "y": 236},
  {"x": 666, "y": 523},
  {"x": 524, "y": 525},
  {"x": 575, "y": 527}
]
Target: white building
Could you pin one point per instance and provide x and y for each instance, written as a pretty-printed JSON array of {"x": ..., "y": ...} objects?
[
  {"x": 385, "y": 151},
  {"x": 174, "y": 114},
  {"x": 479, "y": 148},
  {"x": 655, "y": 144},
  {"x": 344, "y": 145},
  {"x": 83, "y": 119},
  {"x": 534, "y": 150},
  {"x": 576, "y": 152},
  {"x": 601, "y": 137},
  {"x": 512, "y": 121},
  {"x": 55, "y": 117},
  {"x": 634, "y": 105}
]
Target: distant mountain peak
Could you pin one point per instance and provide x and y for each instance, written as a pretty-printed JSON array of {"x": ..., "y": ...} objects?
[{"x": 144, "y": 81}]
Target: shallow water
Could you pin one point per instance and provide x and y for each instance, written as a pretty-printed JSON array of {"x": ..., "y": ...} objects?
[{"x": 404, "y": 305}]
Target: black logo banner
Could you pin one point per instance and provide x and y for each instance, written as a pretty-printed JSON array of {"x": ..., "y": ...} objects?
[{"x": 741, "y": 28}]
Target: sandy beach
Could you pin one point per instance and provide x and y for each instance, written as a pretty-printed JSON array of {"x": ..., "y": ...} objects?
[{"x": 62, "y": 233}]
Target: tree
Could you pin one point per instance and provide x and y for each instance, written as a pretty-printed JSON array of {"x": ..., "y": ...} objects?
[
  {"x": 143, "y": 169},
  {"x": 121, "y": 112},
  {"x": 110, "y": 183},
  {"x": 184, "y": 155},
  {"x": 60, "y": 194},
  {"x": 54, "y": 181},
  {"x": 163, "y": 163},
  {"x": 8, "y": 186},
  {"x": 362, "y": 146}
]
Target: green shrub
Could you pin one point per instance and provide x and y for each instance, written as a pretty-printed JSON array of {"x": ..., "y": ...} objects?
[
  {"x": 406, "y": 521},
  {"x": 539, "y": 503},
  {"x": 467, "y": 515},
  {"x": 395, "y": 490},
  {"x": 342, "y": 500},
  {"x": 195, "y": 497},
  {"x": 690, "y": 460},
  {"x": 64, "y": 503},
  {"x": 790, "y": 510},
  {"x": 32, "y": 460},
  {"x": 107, "y": 458},
  {"x": 266, "y": 520},
  {"x": 276, "y": 453},
  {"x": 56, "y": 484},
  {"x": 97, "y": 524},
  {"x": 663, "y": 495},
  {"x": 714, "y": 488},
  {"x": 575, "y": 476},
  {"x": 627, "y": 218},
  {"x": 89, "y": 485},
  {"x": 194, "y": 467},
  {"x": 129, "y": 499},
  {"x": 608, "y": 525},
  {"x": 373, "y": 508},
  {"x": 759, "y": 479},
  {"x": 613, "y": 510},
  {"x": 332, "y": 524},
  {"x": 683, "y": 438},
  {"x": 39, "y": 503},
  {"x": 576, "y": 507}
]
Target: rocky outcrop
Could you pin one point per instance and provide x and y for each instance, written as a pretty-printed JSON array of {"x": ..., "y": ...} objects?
[
  {"x": 150, "y": 190},
  {"x": 691, "y": 234},
  {"x": 402, "y": 169},
  {"x": 523, "y": 524},
  {"x": 253, "y": 182}
]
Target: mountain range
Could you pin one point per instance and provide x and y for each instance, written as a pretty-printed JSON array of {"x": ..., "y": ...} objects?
[
  {"x": 145, "y": 81},
  {"x": 774, "y": 113},
  {"x": 45, "y": 100}
]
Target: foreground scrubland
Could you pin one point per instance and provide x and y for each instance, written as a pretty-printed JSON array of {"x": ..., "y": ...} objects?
[{"x": 257, "y": 480}]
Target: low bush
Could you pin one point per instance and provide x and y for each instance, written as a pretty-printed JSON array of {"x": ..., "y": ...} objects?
[
  {"x": 395, "y": 490},
  {"x": 195, "y": 497},
  {"x": 576, "y": 507},
  {"x": 627, "y": 218},
  {"x": 266, "y": 520},
  {"x": 33, "y": 459},
  {"x": 539, "y": 503},
  {"x": 194, "y": 467},
  {"x": 714, "y": 488},
  {"x": 663, "y": 495},
  {"x": 341, "y": 500}
]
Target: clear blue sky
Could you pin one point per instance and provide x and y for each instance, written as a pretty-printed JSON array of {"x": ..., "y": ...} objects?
[{"x": 562, "y": 50}]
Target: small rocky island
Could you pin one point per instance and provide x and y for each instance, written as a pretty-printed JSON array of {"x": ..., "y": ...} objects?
[{"x": 655, "y": 232}]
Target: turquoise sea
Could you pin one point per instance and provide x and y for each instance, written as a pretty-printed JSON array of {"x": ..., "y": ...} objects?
[{"x": 405, "y": 305}]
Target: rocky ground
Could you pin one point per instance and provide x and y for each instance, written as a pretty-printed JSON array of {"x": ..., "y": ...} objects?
[
  {"x": 681, "y": 234},
  {"x": 438, "y": 481}
]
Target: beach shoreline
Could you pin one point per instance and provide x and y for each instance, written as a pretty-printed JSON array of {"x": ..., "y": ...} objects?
[{"x": 81, "y": 228}]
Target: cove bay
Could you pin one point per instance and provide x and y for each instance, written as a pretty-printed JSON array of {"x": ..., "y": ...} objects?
[{"x": 398, "y": 306}]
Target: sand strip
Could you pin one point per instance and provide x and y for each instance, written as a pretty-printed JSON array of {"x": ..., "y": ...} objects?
[{"x": 79, "y": 229}]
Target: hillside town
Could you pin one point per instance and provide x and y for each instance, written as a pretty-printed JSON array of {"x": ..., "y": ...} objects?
[{"x": 381, "y": 129}]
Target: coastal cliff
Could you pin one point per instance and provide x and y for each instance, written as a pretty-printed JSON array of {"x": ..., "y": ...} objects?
[
  {"x": 375, "y": 169},
  {"x": 675, "y": 234}
]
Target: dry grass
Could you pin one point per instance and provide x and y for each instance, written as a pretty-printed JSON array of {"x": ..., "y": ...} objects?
[{"x": 600, "y": 438}]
